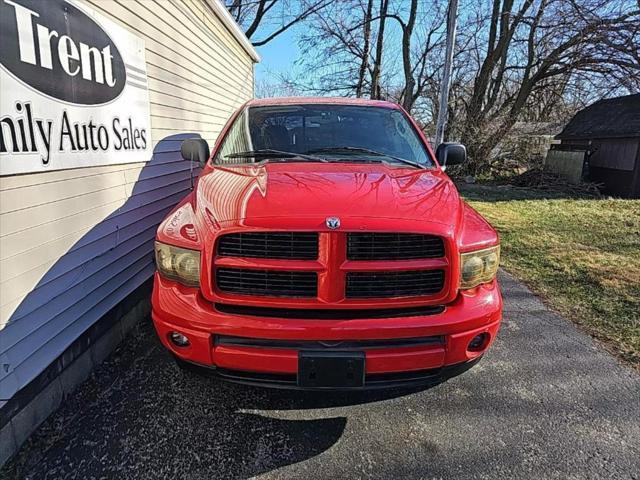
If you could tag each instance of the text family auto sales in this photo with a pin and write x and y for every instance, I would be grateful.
(30, 134)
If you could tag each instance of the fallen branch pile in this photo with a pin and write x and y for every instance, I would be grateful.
(544, 180)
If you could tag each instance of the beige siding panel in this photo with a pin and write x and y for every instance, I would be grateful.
(229, 98)
(164, 114)
(194, 72)
(19, 220)
(166, 88)
(184, 125)
(203, 35)
(30, 270)
(167, 132)
(206, 27)
(187, 19)
(27, 240)
(194, 69)
(168, 111)
(203, 12)
(161, 100)
(203, 38)
(33, 195)
(43, 254)
(74, 242)
(19, 181)
(177, 44)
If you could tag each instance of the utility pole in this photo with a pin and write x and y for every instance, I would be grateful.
(443, 110)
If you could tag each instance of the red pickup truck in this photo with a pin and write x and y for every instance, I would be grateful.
(324, 247)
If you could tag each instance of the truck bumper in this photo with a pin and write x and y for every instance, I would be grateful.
(260, 350)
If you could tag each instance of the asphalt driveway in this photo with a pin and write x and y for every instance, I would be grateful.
(545, 402)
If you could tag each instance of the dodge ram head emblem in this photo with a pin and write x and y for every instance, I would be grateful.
(333, 222)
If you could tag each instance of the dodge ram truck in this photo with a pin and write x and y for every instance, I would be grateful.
(323, 246)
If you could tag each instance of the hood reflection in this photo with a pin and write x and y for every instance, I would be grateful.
(238, 193)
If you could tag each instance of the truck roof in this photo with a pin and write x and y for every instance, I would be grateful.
(265, 102)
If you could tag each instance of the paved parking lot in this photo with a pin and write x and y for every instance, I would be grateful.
(545, 402)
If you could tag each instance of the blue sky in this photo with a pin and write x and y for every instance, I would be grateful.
(281, 54)
(277, 56)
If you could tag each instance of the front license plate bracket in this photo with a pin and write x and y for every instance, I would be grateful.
(331, 369)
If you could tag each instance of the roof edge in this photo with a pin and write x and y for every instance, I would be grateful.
(319, 100)
(630, 136)
(223, 14)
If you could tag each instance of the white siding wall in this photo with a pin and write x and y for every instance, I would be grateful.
(74, 243)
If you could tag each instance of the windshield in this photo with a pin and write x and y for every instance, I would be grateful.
(341, 133)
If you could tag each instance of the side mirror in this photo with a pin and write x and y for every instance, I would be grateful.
(195, 149)
(451, 153)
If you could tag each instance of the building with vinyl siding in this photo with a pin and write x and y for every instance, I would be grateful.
(84, 182)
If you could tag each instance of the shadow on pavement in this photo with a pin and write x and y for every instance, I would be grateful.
(140, 416)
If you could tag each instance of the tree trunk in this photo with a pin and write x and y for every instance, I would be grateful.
(365, 50)
(376, 94)
(409, 81)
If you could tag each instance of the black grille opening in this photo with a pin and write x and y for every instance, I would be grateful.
(330, 313)
(270, 283)
(406, 283)
(267, 378)
(393, 246)
(410, 376)
(375, 380)
(279, 245)
(329, 345)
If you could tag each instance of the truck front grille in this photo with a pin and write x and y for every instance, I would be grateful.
(271, 283)
(393, 246)
(332, 268)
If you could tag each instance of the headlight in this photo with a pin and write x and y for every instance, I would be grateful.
(479, 267)
(179, 264)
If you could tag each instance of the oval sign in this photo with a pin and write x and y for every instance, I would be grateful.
(56, 49)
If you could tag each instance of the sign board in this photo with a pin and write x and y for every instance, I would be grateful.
(73, 89)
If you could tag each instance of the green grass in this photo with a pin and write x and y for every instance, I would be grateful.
(582, 255)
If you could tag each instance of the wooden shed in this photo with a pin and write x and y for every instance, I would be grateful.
(608, 131)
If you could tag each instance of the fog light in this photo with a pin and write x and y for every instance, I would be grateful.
(178, 339)
(478, 342)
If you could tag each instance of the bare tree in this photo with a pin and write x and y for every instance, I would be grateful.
(531, 46)
(337, 47)
(271, 17)
(515, 60)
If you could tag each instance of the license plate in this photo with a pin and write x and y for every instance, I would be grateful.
(330, 369)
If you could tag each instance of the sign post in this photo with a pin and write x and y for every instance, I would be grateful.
(443, 110)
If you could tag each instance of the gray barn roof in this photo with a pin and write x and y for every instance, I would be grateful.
(612, 117)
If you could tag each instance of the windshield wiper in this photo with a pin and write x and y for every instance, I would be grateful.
(275, 154)
(367, 151)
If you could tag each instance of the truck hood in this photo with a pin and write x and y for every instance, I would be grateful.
(249, 195)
